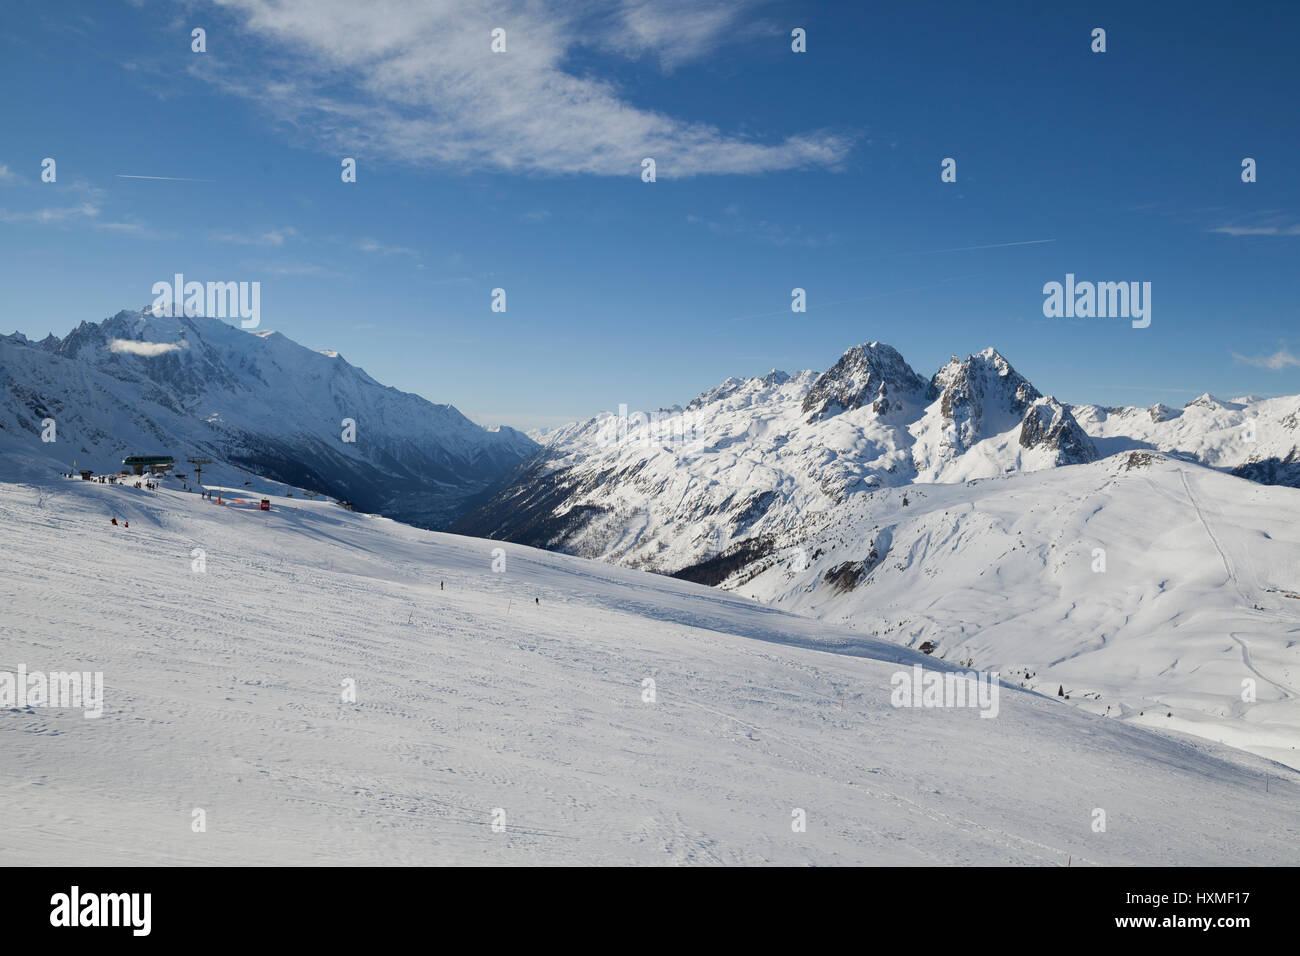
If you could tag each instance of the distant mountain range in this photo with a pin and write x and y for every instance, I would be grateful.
(676, 491)
(257, 404)
(691, 490)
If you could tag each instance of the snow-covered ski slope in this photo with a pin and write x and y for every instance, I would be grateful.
(1157, 590)
(223, 693)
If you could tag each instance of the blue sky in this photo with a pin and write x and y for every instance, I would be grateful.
(521, 170)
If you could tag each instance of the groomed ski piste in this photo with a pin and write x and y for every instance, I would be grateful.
(502, 715)
(1149, 589)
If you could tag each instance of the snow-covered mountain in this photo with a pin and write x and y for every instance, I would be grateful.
(1142, 586)
(672, 491)
(696, 490)
(256, 403)
(863, 522)
(1145, 584)
(1251, 437)
(335, 688)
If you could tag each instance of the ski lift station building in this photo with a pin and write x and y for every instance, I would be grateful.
(155, 463)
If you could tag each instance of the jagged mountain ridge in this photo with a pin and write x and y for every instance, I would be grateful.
(768, 455)
(254, 402)
(704, 490)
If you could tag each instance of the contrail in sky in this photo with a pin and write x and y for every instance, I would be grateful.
(170, 179)
(996, 245)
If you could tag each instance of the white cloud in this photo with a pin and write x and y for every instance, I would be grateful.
(1276, 226)
(1259, 230)
(374, 245)
(732, 223)
(84, 212)
(673, 31)
(273, 237)
(423, 87)
(1277, 361)
(147, 349)
(93, 193)
(52, 214)
(126, 228)
(295, 269)
(8, 177)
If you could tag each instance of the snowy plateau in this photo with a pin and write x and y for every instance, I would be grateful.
(642, 648)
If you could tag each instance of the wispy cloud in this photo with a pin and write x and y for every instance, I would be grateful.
(674, 32)
(85, 213)
(1259, 230)
(1280, 359)
(731, 223)
(82, 188)
(273, 237)
(8, 177)
(295, 269)
(52, 214)
(383, 249)
(424, 87)
(147, 349)
(124, 228)
(1269, 223)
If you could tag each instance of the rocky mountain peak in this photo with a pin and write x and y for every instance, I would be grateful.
(1207, 401)
(1049, 424)
(981, 395)
(872, 374)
